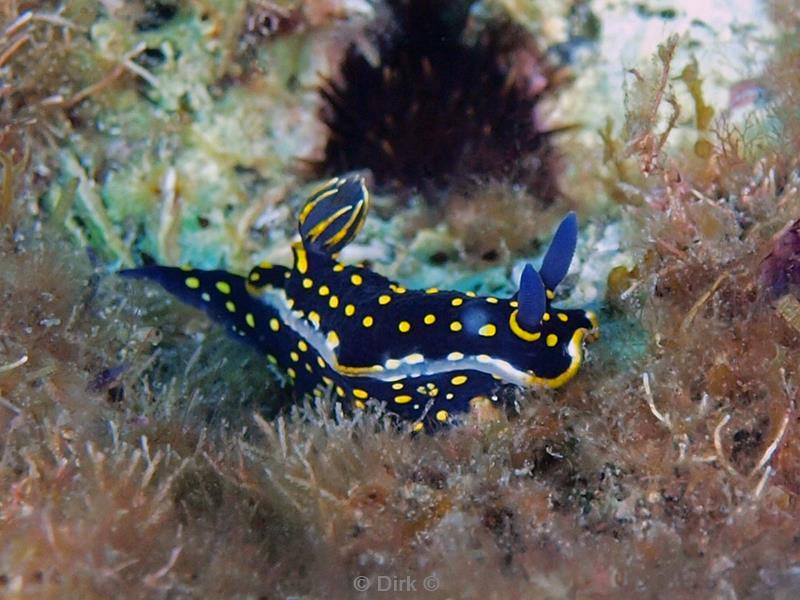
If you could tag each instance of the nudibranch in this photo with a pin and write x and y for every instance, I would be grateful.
(348, 331)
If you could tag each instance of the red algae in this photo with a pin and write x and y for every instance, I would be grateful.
(780, 269)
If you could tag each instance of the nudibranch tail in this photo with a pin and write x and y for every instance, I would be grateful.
(222, 295)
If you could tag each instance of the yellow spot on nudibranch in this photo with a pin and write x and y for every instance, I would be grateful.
(274, 324)
(449, 396)
(432, 290)
(429, 319)
(302, 345)
(321, 362)
(307, 283)
(291, 372)
(223, 286)
(492, 300)
(459, 380)
(402, 399)
(457, 301)
(487, 330)
(333, 301)
(471, 294)
(417, 426)
(442, 415)
(367, 321)
(384, 299)
(349, 310)
(356, 279)
(397, 289)
(359, 393)
(324, 290)
(563, 317)
(301, 259)
(393, 363)
(455, 356)
(186, 267)
(309, 368)
(514, 304)
(415, 359)
(550, 294)
(313, 316)
(340, 391)
(192, 283)
(456, 326)
(551, 340)
(338, 268)
(397, 386)
(272, 359)
(332, 340)
(230, 306)
(546, 316)
(404, 326)
(294, 356)
(250, 319)
(255, 276)
(359, 405)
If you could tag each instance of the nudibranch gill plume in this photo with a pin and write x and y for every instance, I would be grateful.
(348, 331)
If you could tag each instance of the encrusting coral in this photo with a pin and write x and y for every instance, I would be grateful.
(132, 463)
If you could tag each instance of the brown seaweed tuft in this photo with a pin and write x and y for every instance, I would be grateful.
(494, 221)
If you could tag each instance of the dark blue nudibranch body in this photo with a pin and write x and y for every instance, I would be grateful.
(428, 354)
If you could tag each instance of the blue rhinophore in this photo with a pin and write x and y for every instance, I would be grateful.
(346, 330)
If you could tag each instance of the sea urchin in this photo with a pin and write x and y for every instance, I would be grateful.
(437, 105)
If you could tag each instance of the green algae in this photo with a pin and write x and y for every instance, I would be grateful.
(163, 157)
